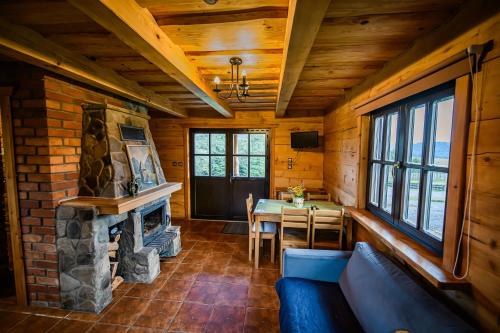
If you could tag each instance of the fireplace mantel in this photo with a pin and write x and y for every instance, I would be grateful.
(125, 204)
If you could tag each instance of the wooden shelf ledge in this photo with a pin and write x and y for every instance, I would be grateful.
(427, 264)
(125, 204)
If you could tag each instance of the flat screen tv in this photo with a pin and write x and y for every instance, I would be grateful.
(304, 139)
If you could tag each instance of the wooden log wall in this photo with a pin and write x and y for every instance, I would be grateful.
(476, 23)
(170, 140)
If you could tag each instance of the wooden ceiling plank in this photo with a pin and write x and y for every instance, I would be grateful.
(164, 7)
(343, 8)
(25, 44)
(304, 21)
(137, 28)
(222, 17)
(267, 33)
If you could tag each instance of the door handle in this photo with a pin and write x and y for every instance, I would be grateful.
(395, 166)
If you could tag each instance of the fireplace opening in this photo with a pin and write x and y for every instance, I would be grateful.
(153, 222)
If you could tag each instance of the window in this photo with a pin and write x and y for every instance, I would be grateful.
(408, 164)
(210, 154)
(249, 155)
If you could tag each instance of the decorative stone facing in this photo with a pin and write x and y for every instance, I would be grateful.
(82, 248)
(105, 169)
(96, 170)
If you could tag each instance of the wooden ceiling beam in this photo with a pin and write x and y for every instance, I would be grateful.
(27, 45)
(223, 17)
(304, 21)
(136, 27)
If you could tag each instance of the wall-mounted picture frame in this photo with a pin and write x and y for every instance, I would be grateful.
(143, 166)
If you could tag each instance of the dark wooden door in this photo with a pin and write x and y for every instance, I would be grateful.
(227, 165)
(249, 169)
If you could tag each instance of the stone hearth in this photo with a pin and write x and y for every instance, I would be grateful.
(83, 231)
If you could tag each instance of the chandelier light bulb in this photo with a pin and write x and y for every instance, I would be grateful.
(244, 73)
(216, 80)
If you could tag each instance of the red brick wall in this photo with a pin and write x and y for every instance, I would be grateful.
(47, 118)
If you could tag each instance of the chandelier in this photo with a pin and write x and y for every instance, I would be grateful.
(240, 90)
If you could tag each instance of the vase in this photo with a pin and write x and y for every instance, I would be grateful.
(298, 202)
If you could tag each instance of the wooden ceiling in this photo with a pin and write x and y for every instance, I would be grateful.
(355, 39)
(209, 35)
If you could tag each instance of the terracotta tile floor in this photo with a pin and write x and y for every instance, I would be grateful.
(209, 287)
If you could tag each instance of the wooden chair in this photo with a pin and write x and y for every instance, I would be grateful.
(327, 220)
(317, 196)
(285, 195)
(267, 230)
(295, 229)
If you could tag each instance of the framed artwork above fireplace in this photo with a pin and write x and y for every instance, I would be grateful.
(143, 166)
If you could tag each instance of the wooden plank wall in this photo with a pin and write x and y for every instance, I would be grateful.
(342, 135)
(169, 137)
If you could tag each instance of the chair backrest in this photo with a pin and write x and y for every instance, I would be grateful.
(328, 219)
(318, 196)
(249, 202)
(295, 218)
(285, 195)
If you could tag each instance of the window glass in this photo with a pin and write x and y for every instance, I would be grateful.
(435, 203)
(257, 144)
(391, 135)
(374, 184)
(408, 187)
(218, 166)
(416, 120)
(388, 188)
(218, 143)
(411, 196)
(377, 138)
(240, 144)
(240, 166)
(257, 166)
(439, 153)
(201, 143)
(201, 164)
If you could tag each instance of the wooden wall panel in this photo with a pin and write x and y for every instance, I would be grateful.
(474, 24)
(169, 141)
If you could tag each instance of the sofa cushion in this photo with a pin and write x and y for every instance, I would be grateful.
(385, 299)
(308, 306)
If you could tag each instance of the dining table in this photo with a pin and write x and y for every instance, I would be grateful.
(269, 210)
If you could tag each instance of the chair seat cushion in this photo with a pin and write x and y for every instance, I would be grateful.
(308, 306)
(266, 227)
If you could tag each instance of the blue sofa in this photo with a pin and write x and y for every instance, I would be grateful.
(361, 291)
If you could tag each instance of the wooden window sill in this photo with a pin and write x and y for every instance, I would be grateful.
(427, 264)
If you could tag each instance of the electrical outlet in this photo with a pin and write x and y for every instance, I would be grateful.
(290, 163)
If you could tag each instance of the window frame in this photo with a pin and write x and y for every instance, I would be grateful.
(210, 154)
(248, 155)
(395, 218)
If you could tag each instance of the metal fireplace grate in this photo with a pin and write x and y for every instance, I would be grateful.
(162, 241)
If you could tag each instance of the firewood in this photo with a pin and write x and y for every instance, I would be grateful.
(116, 282)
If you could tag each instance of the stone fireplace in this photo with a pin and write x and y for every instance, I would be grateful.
(116, 144)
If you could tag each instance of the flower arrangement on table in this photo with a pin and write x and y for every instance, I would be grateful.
(298, 194)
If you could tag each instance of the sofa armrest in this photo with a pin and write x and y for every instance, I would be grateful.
(319, 265)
